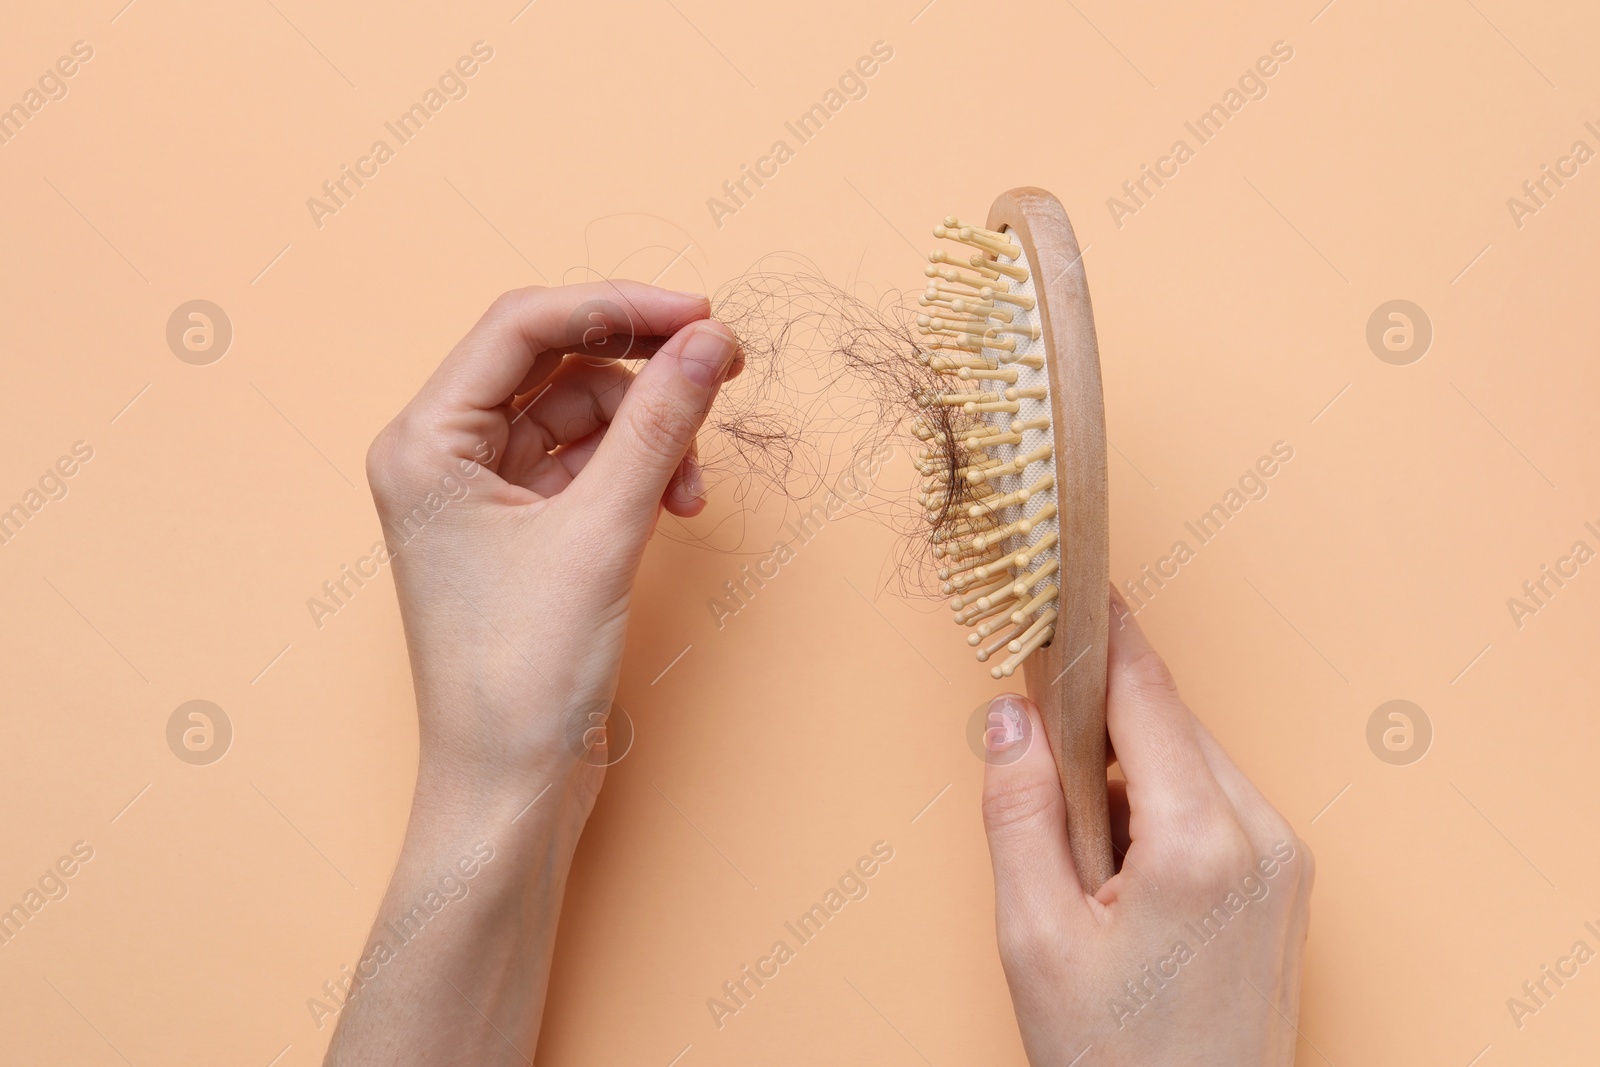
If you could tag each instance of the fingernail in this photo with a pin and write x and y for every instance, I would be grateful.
(1008, 723)
(691, 296)
(690, 487)
(706, 355)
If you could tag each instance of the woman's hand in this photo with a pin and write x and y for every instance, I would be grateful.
(1191, 953)
(515, 596)
(517, 491)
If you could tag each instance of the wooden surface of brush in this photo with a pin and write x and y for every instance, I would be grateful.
(1015, 480)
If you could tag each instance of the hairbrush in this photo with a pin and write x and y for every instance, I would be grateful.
(1014, 479)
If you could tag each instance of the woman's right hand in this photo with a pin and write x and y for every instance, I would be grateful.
(1191, 953)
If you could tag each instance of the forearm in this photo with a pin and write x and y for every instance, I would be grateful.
(515, 602)
(457, 964)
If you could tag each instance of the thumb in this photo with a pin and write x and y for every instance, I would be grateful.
(1036, 889)
(655, 425)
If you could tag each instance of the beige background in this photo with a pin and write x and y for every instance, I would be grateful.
(1232, 312)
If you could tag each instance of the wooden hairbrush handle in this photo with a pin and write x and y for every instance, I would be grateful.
(1067, 678)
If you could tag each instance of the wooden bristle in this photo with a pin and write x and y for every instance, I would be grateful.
(988, 472)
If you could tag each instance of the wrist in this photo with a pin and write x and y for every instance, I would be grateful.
(530, 815)
(485, 736)
(494, 865)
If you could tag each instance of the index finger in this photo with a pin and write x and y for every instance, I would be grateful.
(1153, 731)
(493, 360)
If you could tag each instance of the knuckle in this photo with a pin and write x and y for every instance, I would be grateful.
(513, 300)
(383, 461)
(1208, 854)
(1273, 834)
(393, 458)
(662, 424)
(1019, 805)
(1032, 947)
(1276, 828)
(1235, 855)
(1307, 862)
(1149, 675)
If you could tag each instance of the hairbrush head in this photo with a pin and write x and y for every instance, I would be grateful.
(1014, 478)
